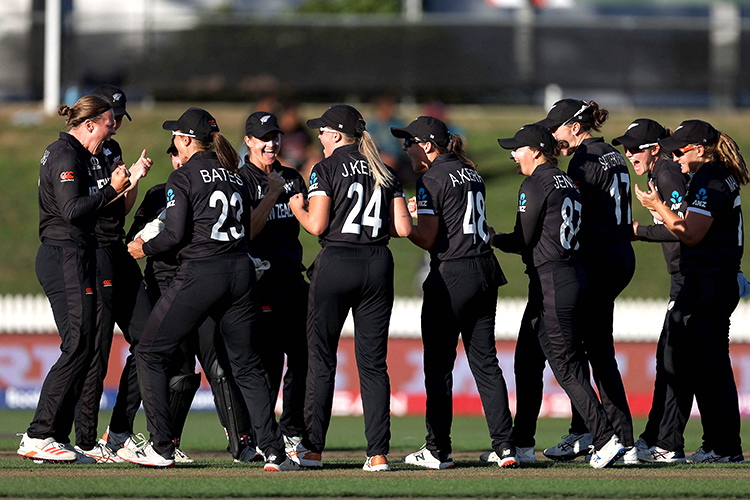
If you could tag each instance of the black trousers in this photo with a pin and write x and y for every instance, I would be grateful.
(663, 351)
(550, 330)
(118, 278)
(68, 277)
(182, 362)
(699, 337)
(609, 268)
(460, 298)
(222, 288)
(357, 278)
(283, 297)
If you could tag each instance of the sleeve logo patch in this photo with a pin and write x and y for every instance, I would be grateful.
(67, 176)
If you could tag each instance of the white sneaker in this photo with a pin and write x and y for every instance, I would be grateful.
(44, 450)
(662, 456)
(145, 455)
(425, 458)
(278, 463)
(291, 442)
(100, 454)
(249, 454)
(304, 457)
(630, 457)
(376, 464)
(117, 440)
(608, 453)
(571, 446)
(507, 459)
(180, 457)
(709, 457)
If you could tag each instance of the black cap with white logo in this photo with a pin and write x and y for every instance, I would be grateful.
(534, 136)
(566, 111)
(690, 132)
(342, 118)
(115, 97)
(195, 122)
(427, 128)
(260, 123)
(642, 133)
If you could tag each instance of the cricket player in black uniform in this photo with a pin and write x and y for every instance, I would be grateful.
(206, 220)
(118, 279)
(460, 291)
(641, 145)
(711, 244)
(282, 290)
(608, 260)
(184, 382)
(69, 199)
(548, 224)
(354, 202)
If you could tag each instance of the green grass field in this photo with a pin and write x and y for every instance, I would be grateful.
(214, 475)
(22, 145)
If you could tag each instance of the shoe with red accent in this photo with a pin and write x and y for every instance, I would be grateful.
(99, 454)
(279, 462)
(506, 458)
(44, 450)
(305, 457)
(658, 455)
(376, 464)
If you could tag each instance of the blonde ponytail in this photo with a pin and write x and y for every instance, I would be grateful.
(726, 151)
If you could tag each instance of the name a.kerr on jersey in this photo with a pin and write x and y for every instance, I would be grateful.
(220, 174)
(359, 167)
(464, 175)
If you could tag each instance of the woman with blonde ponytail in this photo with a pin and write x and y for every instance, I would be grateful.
(355, 204)
(711, 245)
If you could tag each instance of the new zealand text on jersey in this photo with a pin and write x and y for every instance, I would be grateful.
(280, 211)
(464, 175)
(220, 174)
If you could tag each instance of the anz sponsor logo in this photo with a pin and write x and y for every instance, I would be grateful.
(676, 200)
(522, 202)
(170, 198)
(421, 198)
(700, 199)
(313, 181)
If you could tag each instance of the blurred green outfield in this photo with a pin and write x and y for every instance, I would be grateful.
(21, 147)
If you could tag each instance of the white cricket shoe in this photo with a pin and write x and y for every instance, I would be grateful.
(376, 464)
(279, 463)
(630, 457)
(707, 457)
(145, 455)
(117, 440)
(305, 457)
(180, 457)
(100, 454)
(291, 442)
(44, 450)
(523, 455)
(658, 455)
(425, 458)
(571, 446)
(608, 454)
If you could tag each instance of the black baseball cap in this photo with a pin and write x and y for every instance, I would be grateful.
(690, 132)
(427, 128)
(642, 133)
(260, 123)
(566, 111)
(115, 97)
(534, 136)
(195, 122)
(340, 117)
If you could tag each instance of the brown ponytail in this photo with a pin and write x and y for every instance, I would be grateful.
(726, 151)
(456, 146)
(228, 156)
(88, 107)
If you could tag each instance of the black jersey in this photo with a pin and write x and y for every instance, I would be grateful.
(360, 214)
(671, 184)
(206, 211)
(278, 241)
(547, 221)
(110, 224)
(455, 192)
(68, 195)
(715, 193)
(602, 175)
(163, 265)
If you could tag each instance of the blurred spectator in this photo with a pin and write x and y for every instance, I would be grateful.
(297, 149)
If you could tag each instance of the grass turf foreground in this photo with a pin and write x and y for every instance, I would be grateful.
(214, 475)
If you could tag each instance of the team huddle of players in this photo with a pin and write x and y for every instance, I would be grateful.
(224, 282)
